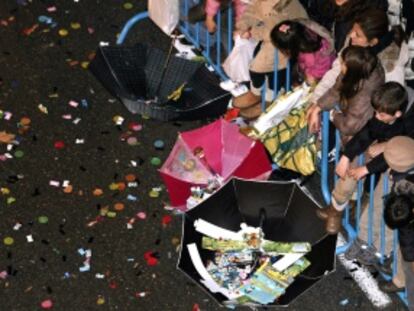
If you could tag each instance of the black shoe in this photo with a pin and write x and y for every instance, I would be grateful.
(389, 287)
(383, 269)
(282, 174)
(386, 267)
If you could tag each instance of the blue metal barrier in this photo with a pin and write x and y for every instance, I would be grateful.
(352, 229)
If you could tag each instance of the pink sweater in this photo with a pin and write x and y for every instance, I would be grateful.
(213, 6)
(317, 63)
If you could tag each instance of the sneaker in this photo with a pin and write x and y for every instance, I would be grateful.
(353, 250)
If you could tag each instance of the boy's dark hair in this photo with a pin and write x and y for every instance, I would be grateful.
(398, 211)
(295, 38)
(390, 98)
(360, 63)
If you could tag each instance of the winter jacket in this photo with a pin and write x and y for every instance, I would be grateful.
(259, 18)
(316, 64)
(213, 6)
(374, 131)
(392, 58)
(356, 112)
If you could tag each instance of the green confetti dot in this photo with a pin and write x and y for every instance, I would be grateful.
(18, 153)
(113, 186)
(11, 200)
(155, 161)
(128, 5)
(8, 240)
(154, 194)
(63, 32)
(43, 219)
(111, 214)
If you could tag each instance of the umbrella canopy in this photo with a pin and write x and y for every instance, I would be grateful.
(215, 149)
(149, 82)
(289, 217)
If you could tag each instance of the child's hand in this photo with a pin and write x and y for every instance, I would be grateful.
(358, 172)
(210, 24)
(342, 167)
(244, 34)
(314, 118)
(376, 150)
(310, 80)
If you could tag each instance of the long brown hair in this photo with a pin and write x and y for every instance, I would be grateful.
(360, 62)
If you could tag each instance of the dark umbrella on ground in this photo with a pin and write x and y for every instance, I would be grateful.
(289, 217)
(151, 82)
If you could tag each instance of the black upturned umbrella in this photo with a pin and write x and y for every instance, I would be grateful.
(289, 216)
(151, 82)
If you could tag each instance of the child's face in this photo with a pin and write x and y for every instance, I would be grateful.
(387, 118)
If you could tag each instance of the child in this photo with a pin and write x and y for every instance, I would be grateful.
(371, 30)
(257, 22)
(307, 43)
(309, 47)
(361, 74)
(213, 6)
(389, 102)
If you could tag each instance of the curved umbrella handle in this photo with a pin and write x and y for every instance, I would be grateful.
(263, 217)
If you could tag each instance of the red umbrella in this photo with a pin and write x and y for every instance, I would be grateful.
(215, 151)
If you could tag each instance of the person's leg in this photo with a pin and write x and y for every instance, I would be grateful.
(397, 284)
(374, 228)
(409, 277)
(399, 277)
(341, 195)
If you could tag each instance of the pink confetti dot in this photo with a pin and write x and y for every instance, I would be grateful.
(46, 304)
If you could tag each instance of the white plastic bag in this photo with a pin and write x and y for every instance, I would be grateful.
(165, 14)
(281, 107)
(236, 65)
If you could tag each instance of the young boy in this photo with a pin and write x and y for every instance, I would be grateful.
(389, 103)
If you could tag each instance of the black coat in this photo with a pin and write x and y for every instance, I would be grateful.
(378, 131)
(406, 239)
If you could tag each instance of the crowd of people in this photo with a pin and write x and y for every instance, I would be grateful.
(356, 54)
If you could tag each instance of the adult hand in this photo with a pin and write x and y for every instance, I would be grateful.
(342, 167)
(358, 172)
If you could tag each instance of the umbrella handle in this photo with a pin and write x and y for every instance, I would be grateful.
(262, 216)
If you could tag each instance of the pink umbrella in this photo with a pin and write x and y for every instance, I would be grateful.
(200, 155)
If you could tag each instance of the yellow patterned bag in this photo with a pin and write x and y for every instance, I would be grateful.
(291, 145)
